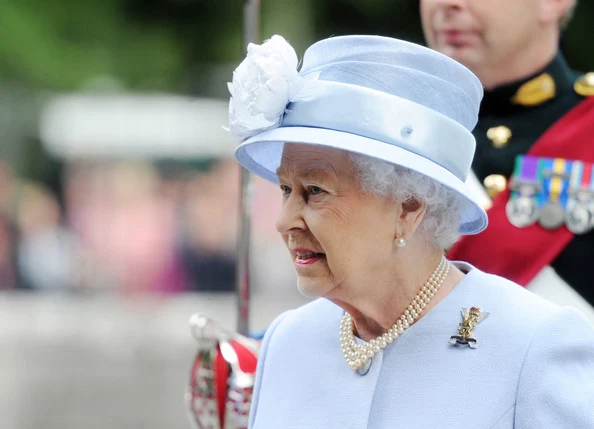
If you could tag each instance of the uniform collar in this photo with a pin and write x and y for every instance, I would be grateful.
(502, 101)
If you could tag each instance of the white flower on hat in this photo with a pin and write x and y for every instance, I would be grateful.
(263, 85)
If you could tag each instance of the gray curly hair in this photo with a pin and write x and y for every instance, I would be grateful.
(441, 219)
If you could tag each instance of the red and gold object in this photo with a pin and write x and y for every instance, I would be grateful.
(222, 377)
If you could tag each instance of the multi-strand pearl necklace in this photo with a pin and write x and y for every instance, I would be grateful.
(358, 355)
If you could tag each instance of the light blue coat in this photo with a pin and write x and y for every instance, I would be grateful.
(533, 368)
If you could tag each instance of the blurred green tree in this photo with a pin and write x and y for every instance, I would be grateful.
(69, 44)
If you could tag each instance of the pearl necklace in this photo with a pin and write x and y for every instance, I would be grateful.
(358, 355)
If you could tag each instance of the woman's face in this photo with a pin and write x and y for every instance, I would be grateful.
(337, 235)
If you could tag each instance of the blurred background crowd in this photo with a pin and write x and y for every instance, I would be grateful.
(119, 194)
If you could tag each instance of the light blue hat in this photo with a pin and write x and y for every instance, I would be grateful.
(381, 97)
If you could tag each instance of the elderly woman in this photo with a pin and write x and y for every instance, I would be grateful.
(370, 144)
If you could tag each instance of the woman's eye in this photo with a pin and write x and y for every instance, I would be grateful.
(285, 190)
(315, 190)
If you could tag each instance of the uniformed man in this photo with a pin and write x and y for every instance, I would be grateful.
(534, 147)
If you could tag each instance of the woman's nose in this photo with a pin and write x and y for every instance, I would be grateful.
(290, 217)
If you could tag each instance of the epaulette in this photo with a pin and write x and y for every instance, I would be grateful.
(584, 85)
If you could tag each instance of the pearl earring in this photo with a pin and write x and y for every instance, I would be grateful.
(400, 241)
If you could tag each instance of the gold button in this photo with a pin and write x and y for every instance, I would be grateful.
(499, 136)
(494, 184)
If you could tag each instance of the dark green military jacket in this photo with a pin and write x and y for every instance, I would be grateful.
(511, 119)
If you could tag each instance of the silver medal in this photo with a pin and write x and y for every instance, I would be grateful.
(579, 217)
(521, 211)
(551, 215)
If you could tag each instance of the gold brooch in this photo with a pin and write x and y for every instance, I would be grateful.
(470, 318)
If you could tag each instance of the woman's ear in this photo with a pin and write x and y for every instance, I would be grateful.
(411, 216)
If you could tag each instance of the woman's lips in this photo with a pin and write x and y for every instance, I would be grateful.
(306, 256)
(307, 261)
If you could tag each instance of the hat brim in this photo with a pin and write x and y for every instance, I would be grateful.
(262, 154)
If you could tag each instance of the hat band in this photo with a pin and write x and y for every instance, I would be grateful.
(387, 118)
